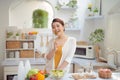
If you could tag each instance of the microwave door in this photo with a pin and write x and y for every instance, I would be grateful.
(80, 52)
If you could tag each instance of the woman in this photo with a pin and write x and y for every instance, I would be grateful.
(62, 48)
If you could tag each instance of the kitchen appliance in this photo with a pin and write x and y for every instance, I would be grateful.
(113, 59)
(84, 51)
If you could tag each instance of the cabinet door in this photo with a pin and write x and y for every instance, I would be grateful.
(11, 71)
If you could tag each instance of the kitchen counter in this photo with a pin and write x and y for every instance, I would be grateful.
(86, 62)
(79, 61)
(11, 66)
(16, 62)
(115, 76)
(82, 62)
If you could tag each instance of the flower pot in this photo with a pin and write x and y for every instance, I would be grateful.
(17, 37)
(96, 14)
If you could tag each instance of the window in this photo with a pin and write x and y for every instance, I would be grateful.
(20, 12)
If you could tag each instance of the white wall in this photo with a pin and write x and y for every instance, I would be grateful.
(112, 24)
(4, 5)
(108, 5)
(113, 32)
(20, 12)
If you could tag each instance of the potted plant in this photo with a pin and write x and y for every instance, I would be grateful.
(96, 38)
(70, 4)
(40, 18)
(90, 10)
(17, 35)
(95, 12)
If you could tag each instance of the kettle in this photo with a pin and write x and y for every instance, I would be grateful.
(113, 59)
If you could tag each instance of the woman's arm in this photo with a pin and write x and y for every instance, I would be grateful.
(63, 65)
(50, 54)
(71, 51)
(70, 54)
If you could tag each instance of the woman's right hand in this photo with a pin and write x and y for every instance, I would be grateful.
(52, 52)
(55, 45)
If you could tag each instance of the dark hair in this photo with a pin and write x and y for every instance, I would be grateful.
(58, 20)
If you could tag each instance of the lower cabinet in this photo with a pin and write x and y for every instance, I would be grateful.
(11, 71)
(74, 68)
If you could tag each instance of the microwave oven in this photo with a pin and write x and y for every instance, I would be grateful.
(85, 51)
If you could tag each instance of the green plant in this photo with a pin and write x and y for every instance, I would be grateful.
(72, 3)
(17, 34)
(90, 6)
(9, 34)
(58, 7)
(97, 36)
(95, 10)
(40, 18)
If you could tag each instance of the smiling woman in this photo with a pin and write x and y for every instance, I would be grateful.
(20, 12)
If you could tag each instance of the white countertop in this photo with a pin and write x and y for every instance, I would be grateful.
(79, 61)
(86, 62)
(115, 76)
(16, 62)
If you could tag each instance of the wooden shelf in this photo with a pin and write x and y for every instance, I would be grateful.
(19, 49)
(20, 40)
(69, 8)
(15, 49)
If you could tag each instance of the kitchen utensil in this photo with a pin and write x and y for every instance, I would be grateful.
(47, 42)
(41, 43)
(17, 54)
(11, 54)
(30, 45)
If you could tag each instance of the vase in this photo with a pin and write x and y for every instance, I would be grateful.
(96, 14)
(97, 51)
(90, 12)
(17, 37)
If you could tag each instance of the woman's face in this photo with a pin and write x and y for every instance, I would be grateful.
(57, 28)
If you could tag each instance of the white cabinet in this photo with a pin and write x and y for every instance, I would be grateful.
(11, 71)
(22, 48)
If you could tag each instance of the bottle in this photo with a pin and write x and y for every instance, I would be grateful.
(21, 71)
(27, 66)
(23, 36)
(16, 54)
(30, 45)
(25, 45)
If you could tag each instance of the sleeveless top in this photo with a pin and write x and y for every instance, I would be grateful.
(57, 56)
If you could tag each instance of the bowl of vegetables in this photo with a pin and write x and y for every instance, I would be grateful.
(57, 74)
